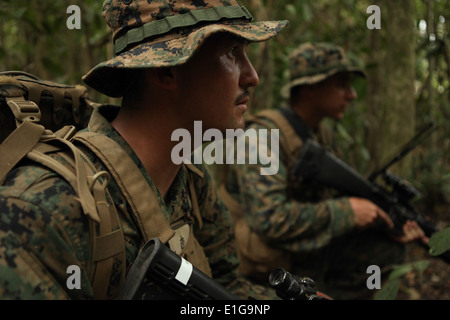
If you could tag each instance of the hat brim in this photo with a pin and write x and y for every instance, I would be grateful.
(318, 78)
(113, 76)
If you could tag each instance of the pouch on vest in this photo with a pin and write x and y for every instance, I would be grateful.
(52, 105)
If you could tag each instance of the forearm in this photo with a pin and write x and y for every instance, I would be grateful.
(287, 223)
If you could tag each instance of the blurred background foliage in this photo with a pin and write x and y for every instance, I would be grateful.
(407, 63)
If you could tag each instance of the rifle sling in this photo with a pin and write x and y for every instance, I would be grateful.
(299, 125)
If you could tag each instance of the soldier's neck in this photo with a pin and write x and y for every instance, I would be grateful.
(308, 114)
(149, 135)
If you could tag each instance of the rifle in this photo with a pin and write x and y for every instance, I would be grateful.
(171, 278)
(316, 163)
(290, 287)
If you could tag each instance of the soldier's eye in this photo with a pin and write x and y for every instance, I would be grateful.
(233, 51)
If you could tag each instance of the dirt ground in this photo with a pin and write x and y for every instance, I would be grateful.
(434, 283)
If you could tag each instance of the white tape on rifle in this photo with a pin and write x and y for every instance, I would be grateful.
(185, 272)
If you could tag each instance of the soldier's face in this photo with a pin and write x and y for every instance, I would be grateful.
(215, 82)
(334, 95)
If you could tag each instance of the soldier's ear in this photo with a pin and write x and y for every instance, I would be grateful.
(163, 77)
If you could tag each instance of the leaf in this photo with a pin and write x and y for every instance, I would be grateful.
(400, 271)
(307, 13)
(440, 242)
(389, 290)
(290, 8)
(344, 134)
(391, 286)
(420, 265)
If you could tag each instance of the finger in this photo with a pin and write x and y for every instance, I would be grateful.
(417, 231)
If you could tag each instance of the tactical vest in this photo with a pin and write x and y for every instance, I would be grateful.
(40, 117)
(258, 259)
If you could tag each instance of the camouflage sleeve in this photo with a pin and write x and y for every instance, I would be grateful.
(217, 238)
(37, 245)
(286, 223)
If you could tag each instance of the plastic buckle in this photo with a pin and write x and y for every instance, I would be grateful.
(24, 110)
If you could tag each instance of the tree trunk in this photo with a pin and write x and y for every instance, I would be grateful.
(394, 107)
(375, 91)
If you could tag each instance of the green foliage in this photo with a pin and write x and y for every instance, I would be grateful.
(391, 286)
(34, 38)
(440, 242)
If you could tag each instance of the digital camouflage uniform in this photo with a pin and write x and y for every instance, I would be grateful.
(308, 223)
(43, 228)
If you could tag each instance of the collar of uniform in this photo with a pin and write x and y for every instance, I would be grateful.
(177, 199)
(100, 122)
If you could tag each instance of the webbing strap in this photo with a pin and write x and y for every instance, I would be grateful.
(86, 198)
(17, 145)
(58, 92)
(290, 142)
(108, 244)
(191, 18)
(140, 196)
(297, 123)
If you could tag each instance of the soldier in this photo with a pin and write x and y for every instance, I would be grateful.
(175, 62)
(306, 228)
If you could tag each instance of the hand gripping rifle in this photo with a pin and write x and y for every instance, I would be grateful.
(315, 163)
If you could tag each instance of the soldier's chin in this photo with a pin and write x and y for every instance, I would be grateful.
(239, 120)
(339, 115)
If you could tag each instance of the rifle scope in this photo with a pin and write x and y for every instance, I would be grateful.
(291, 287)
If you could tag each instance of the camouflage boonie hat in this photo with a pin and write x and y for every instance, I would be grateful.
(165, 33)
(313, 62)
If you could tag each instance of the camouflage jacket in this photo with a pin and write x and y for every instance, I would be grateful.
(288, 215)
(43, 229)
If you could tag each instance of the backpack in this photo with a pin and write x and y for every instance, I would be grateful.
(38, 117)
(25, 97)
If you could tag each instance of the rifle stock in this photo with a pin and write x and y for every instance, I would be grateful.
(315, 163)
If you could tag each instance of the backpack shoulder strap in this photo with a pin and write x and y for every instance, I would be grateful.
(32, 141)
(17, 145)
(135, 188)
(291, 142)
